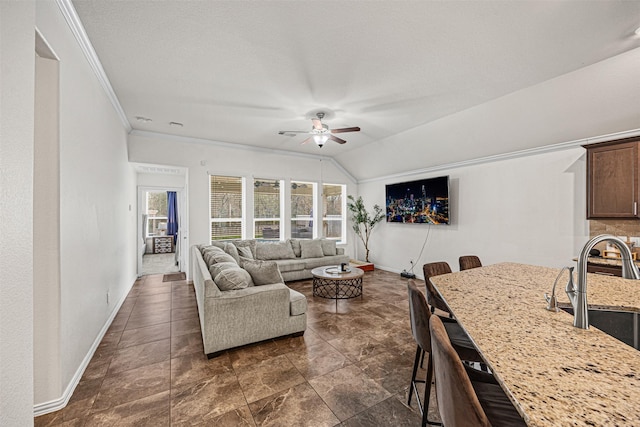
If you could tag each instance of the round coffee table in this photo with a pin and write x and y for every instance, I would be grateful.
(330, 282)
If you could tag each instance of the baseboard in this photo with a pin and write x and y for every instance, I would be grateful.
(61, 402)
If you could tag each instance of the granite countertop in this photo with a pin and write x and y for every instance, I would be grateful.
(556, 374)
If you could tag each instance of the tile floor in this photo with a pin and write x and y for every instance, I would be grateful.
(351, 368)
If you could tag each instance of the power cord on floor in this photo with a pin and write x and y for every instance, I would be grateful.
(410, 274)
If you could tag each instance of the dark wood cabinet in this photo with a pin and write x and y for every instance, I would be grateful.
(613, 190)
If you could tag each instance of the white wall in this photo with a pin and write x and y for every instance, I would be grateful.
(46, 229)
(17, 51)
(97, 204)
(202, 158)
(529, 210)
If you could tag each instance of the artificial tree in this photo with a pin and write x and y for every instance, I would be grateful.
(363, 222)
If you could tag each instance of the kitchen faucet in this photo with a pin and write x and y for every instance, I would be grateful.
(578, 297)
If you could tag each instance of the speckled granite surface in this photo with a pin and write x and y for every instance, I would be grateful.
(556, 374)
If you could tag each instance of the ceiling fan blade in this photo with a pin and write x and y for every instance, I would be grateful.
(336, 139)
(306, 140)
(353, 129)
(317, 124)
(284, 132)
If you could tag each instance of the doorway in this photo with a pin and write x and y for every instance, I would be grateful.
(160, 227)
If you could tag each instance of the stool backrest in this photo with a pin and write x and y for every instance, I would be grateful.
(430, 270)
(468, 262)
(457, 401)
(419, 313)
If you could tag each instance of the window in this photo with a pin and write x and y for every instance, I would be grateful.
(302, 210)
(266, 209)
(156, 210)
(333, 206)
(227, 206)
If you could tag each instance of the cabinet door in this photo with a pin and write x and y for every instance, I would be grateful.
(612, 180)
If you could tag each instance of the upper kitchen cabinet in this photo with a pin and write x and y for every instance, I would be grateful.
(613, 190)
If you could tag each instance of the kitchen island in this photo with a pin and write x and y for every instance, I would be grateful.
(555, 374)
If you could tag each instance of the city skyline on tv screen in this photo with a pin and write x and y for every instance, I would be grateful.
(424, 201)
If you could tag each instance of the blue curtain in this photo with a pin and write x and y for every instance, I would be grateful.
(172, 214)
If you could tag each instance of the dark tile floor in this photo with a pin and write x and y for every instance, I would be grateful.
(351, 368)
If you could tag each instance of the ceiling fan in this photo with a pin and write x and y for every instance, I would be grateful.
(320, 132)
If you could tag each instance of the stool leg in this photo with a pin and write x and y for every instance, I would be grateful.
(427, 393)
(413, 375)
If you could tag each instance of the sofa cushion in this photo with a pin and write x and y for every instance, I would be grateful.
(275, 250)
(285, 265)
(263, 272)
(214, 257)
(233, 278)
(297, 303)
(220, 266)
(312, 263)
(328, 247)
(311, 249)
(251, 244)
(295, 245)
(231, 249)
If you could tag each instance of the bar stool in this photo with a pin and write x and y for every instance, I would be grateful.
(461, 402)
(433, 296)
(468, 262)
(420, 314)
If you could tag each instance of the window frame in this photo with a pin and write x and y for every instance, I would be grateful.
(343, 213)
(279, 219)
(241, 219)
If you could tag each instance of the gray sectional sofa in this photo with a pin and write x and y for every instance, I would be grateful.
(244, 315)
(305, 256)
(240, 289)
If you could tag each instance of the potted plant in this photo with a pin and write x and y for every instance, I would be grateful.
(363, 222)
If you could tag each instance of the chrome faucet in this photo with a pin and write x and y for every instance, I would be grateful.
(552, 301)
(578, 297)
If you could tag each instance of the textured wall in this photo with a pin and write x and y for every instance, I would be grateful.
(17, 46)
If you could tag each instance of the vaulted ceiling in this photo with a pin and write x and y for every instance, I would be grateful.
(240, 71)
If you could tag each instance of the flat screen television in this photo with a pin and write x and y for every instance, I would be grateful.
(425, 201)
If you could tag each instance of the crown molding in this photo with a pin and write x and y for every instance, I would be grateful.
(507, 156)
(220, 144)
(73, 21)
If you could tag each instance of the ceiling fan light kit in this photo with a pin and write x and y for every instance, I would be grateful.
(320, 132)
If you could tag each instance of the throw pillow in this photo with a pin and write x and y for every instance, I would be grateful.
(276, 250)
(230, 248)
(233, 278)
(215, 269)
(263, 272)
(251, 244)
(328, 247)
(218, 244)
(211, 257)
(205, 249)
(245, 252)
(223, 257)
(311, 249)
(295, 244)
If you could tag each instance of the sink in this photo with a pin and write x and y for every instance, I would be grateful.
(622, 325)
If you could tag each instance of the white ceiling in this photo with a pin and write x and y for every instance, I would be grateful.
(240, 71)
